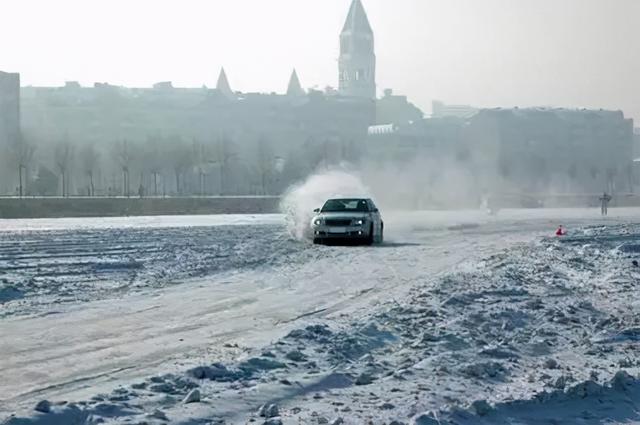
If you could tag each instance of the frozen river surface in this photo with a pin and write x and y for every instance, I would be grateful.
(91, 306)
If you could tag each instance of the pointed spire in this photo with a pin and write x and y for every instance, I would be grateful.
(223, 85)
(357, 21)
(295, 88)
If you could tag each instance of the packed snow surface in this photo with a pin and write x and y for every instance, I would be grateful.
(459, 318)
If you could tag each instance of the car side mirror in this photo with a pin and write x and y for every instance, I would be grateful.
(317, 210)
(375, 210)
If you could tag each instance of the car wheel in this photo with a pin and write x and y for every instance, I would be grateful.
(317, 241)
(371, 238)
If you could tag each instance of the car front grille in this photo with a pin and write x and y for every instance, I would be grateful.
(342, 222)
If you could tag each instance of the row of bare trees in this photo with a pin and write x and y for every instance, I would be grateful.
(158, 166)
(162, 166)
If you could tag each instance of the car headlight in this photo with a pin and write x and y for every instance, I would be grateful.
(359, 222)
(317, 222)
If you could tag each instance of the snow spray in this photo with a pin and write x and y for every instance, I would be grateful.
(301, 199)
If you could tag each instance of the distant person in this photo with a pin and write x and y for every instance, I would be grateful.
(604, 202)
(561, 231)
(141, 191)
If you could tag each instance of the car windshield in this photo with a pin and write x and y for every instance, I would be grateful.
(346, 205)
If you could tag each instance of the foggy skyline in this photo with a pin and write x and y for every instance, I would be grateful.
(573, 53)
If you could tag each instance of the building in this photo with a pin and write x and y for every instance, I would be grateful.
(9, 128)
(295, 124)
(443, 110)
(553, 150)
(524, 155)
(394, 109)
(105, 113)
(218, 137)
(9, 108)
(357, 63)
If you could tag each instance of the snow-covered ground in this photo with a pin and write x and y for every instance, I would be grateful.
(458, 318)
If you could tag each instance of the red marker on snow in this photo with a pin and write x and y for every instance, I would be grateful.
(561, 231)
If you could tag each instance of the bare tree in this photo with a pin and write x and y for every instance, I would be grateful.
(63, 158)
(205, 158)
(629, 173)
(294, 166)
(180, 157)
(202, 164)
(22, 152)
(124, 158)
(89, 157)
(153, 160)
(265, 163)
(225, 153)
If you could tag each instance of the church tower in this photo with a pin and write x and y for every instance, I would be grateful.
(223, 86)
(357, 73)
(295, 88)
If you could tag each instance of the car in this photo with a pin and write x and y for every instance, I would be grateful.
(348, 219)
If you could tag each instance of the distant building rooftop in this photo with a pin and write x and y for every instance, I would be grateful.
(442, 110)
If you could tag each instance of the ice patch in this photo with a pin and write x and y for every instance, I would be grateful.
(118, 265)
(9, 293)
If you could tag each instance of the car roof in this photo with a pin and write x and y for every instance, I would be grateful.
(348, 199)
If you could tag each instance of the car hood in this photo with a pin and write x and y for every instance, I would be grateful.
(350, 215)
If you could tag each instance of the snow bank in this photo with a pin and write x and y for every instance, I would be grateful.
(586, 402)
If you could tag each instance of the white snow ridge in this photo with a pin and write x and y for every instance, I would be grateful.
(522, 331)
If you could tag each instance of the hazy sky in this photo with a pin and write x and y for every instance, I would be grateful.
(481, 52)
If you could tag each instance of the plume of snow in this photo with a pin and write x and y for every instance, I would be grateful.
(301, 199)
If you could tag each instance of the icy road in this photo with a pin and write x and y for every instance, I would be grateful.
(89, 306)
